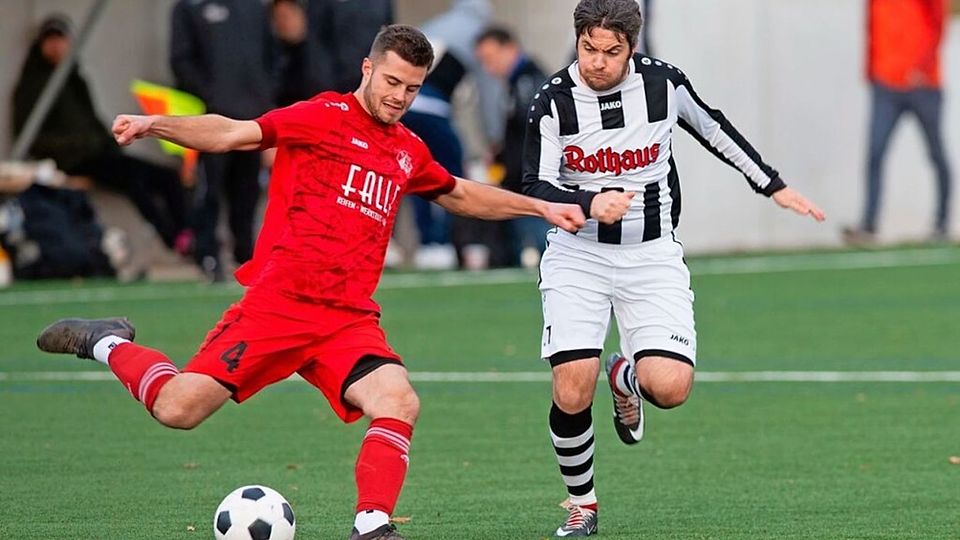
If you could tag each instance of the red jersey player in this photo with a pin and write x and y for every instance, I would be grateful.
(342, 164)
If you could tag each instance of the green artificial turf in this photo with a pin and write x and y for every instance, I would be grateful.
(81, 460)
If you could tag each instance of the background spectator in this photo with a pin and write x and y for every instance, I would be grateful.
(222, 51)
(303, 69)
(903, 67)
(51, 231)
(501, 56)
(453, 34)
(81, 145)
(346, 29)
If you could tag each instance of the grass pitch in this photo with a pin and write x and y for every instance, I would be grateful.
(80, 459)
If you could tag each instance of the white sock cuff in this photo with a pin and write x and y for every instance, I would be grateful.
(103, 348)
(580, 500)
(369, 520)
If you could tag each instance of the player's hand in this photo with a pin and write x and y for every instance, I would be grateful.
(568, 217)
(792, 200)
(130, 127)
(609, 206)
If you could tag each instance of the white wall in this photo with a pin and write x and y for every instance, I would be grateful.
(129, 41)
(788, 73)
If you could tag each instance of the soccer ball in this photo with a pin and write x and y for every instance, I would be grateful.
(254, 513)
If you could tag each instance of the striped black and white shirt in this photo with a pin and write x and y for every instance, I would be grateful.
(580, 142)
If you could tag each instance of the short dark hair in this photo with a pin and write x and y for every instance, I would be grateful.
(56, 24)
(619, 16)
(497, 33)
(406, 41)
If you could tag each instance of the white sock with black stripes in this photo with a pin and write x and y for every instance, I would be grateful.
(572, 436)
(626, 379)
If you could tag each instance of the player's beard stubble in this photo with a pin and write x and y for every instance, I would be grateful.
(601, 81)
(380, 110)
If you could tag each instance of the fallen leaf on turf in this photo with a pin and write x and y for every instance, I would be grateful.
(954, 460)
(400, 520)
(190, 466)
(293, 466)
(191, 528)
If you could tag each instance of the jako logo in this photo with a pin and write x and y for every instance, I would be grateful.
(611, 106)
(338, 104)
(608, 160)
(680, 339)
(362, 144)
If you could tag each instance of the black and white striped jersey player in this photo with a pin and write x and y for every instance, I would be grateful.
(600, 135)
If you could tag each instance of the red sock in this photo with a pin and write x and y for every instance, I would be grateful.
(143, 371)
(382, 464)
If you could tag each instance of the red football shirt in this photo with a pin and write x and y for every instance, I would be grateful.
(336, 186)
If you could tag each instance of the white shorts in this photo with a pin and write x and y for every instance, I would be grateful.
(645, 286)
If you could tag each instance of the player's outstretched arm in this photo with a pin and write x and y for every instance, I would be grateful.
(476, 200)
(792, 199)
(210, 133)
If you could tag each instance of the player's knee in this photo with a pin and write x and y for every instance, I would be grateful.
(669, 394)
(402, 404)
(573, 400)
(668, 398)
(665, 383)
(409, 406)
(176, 415)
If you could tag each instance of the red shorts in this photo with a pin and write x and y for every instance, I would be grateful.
(263, 339)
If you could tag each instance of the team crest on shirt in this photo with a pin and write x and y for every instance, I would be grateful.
(405, 161)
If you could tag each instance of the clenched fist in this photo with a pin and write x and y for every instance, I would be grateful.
(609, 206)
(130, 127)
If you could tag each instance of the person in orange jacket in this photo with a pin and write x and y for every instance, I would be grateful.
(903, 68)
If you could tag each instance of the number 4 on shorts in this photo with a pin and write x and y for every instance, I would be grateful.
(232, 356)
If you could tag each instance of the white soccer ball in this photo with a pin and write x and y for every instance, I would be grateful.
(254, 513)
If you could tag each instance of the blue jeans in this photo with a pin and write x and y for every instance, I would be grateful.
(530, 231)
(888, 106)
(437, 132)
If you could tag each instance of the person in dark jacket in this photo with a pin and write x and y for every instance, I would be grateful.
(303, 70)
(346, 29)
(322, 42)
(80, 144)
(222, 51)
(444, 238)
(500, 54)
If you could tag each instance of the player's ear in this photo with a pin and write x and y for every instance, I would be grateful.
(366, 68)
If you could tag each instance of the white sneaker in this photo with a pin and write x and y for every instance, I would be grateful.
(436, 257)
(581, 522)
(529, 258)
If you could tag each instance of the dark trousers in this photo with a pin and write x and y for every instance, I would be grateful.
(156, 191)
(234, 175)
(433, 222)
(888, 106)
(62, 227)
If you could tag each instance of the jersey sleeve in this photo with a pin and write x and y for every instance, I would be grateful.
(542, 157)
(712, 130)
(429, 179)
(301, 123)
